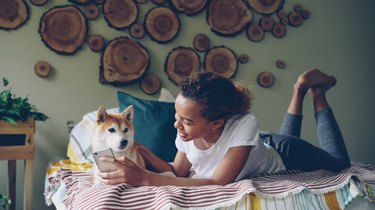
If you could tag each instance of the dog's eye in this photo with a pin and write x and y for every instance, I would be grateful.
(111, 130)
(126, 130)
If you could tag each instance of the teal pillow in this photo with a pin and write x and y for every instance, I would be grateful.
(153, 124)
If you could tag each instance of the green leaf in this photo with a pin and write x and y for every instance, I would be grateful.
(13, 109)
(9, 120)
(5, 82)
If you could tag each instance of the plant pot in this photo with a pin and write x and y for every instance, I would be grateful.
(16, 135)
(12, 139)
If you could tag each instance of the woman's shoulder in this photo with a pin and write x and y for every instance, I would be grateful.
(243, 117)
(246, 121)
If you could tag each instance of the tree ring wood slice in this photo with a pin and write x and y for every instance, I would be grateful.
(189, 7)
(141, 1)
(295, 19)
(137, 31)
(244, 58)
(38, 2)
(266, 7)
(280, 64)
(267, 22)
(297, 7)
(281, 13)
(120, 14)
(279, 30)
(150, 84)
(42, 68)
(255, 32)
(98, 2)
(266, 79)
(123, 61)
(162, 24)
(91, 11)
(306, 14)
(96, 42)
(227, 17)
(13, 14)
(63, 29)
(284, 20)
(201, 42)
(80, 2)
(221, 60)
(159, 2)
(180, 63)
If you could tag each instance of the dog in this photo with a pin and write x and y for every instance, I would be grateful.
(116, 131)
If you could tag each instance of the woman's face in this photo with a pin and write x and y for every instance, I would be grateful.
(190, 124)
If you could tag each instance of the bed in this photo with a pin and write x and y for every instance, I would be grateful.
(68, 182)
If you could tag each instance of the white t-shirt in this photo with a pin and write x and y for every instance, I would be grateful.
(240, 130)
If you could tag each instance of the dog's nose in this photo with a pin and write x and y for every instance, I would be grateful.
(124, 143)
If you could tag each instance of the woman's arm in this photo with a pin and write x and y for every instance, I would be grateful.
(152, 161)
(226, 172)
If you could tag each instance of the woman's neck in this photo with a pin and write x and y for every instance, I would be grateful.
(206, 142)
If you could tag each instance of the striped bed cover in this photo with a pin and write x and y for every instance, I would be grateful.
(285, 190)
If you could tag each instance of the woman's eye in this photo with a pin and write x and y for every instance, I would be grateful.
(111, 130)
(126, 130)
(187, 122)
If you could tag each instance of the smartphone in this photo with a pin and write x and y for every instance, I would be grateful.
(104, 166)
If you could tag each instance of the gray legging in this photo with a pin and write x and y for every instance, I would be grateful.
(300, 154)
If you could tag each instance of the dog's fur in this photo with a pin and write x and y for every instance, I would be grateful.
(116, 131)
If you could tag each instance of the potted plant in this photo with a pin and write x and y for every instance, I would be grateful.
(15, 111)
(4, 201)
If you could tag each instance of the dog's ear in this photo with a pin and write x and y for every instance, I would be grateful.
(128, 113)
(101, 115)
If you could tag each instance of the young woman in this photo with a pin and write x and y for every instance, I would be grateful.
(220, 139)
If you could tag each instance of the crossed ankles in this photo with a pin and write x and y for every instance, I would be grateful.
(315, 82)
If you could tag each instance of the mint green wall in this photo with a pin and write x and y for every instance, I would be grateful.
(338, 38)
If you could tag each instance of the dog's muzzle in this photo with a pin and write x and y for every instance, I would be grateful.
(123, 143)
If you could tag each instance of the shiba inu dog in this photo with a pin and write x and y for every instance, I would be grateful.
(115, 131)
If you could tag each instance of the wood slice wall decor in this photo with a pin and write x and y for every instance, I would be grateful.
(201, 42)
(266, 7)
(13, 14)
(255, 32)
(63, 29)
(188, 7)
(80, 2)
(124, 61)
(159, 2)
(120, 14)
(137, 31)
(266, 79)
(91, 11)
(221, 60)
(228, 17)
(150, 84)
(38, 2)
(42, 68)
(180, 63)
(243, 58)
(96, 42)
(162, 24)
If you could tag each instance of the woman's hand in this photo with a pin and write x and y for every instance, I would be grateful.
(127, 172)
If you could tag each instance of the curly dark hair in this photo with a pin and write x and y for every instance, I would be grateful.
(220, 97)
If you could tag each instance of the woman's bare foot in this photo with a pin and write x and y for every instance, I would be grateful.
(315, 77)
(316, 83)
